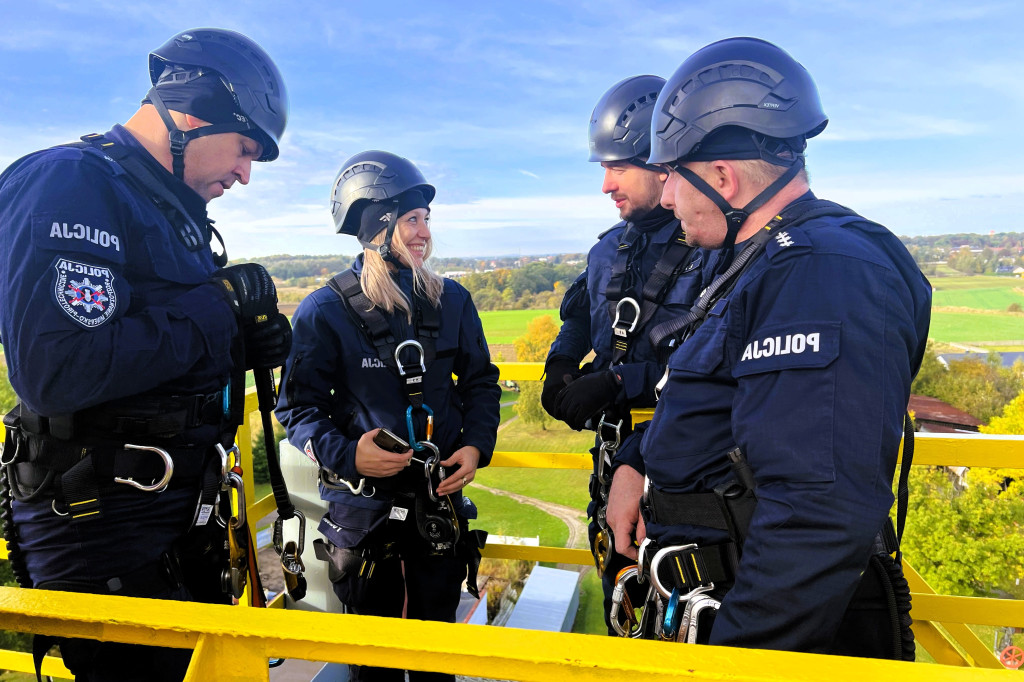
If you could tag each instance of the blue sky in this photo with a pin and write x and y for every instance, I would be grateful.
(492, 101)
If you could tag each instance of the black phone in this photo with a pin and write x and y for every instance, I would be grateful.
(386, 440)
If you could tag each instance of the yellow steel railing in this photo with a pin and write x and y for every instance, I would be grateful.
(229, 646)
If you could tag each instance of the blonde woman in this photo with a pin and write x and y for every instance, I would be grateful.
(376, 349)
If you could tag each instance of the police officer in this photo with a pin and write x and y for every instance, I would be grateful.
(642, 272)
(126, 341)
(774, 442)
(368, 394)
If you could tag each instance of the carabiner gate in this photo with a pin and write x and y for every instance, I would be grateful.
(160, 485)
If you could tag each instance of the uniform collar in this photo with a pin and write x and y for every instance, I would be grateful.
(192, 202)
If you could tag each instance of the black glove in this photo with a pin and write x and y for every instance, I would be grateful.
(267, 343)
(559, 371)
(250, 290)
(585, 397)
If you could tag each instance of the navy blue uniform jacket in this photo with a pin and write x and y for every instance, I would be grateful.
(102, 299)
(335, 388)
(587, 324)
(806, 367)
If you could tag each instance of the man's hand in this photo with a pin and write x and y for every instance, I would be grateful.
(253, 296)
(250, 290)
(267, 343)
(373, 462)
(623, 513)
(559, 372)
(585, 397)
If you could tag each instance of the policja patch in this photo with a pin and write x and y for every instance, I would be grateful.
(85, 292)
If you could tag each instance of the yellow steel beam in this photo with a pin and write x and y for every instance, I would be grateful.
(520, 371)
(22, 662)
(969, 450)
(558, 555)
(543, 460)
(977, 653)
(223, 659)
(233, 646)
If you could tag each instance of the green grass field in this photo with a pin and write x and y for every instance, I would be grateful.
(965, 327)
(504, 516)
(979, 292)
(505, 326)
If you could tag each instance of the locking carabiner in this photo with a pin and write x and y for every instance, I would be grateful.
(160, 485)
(414, 443)
(278, 537)
(431, 465)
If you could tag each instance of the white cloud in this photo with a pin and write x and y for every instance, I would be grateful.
(529, 174)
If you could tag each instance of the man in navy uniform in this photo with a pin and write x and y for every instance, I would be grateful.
(642, 272)
(127, 341)
(774, 442)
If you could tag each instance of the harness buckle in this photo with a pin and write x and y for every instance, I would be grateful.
(160, 485)
(688, 552)
(622, 331)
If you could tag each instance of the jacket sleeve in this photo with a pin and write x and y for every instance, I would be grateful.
(573, 340)
(477, 384)
(820, 349)
(64, 222)
(306, 401)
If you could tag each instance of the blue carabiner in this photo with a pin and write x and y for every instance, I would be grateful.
(413, 440)
(673, 615)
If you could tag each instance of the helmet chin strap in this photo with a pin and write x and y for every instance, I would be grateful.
(736, 217)
(180, 138)
(384, 249)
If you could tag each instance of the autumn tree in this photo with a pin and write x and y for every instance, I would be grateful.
(969, 540)
(533, 347)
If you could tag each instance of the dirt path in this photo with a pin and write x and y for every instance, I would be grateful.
(568, 515)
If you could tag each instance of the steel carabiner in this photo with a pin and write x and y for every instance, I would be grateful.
(160, 485)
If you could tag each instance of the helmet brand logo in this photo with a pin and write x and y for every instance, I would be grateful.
(385, 218)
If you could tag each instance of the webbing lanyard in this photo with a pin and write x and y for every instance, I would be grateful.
(413, 374)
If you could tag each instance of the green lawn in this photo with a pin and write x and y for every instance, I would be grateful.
(557, 437)
(562, 486)
(980, 293)
(505, 326)
(504, 516)
(590, 616)
(965, 327)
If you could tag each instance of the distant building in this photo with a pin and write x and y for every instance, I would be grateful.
(934, 416)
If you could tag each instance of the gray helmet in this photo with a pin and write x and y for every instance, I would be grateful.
(620, 127)
(247, 71)
(744, 82)
(373, 177)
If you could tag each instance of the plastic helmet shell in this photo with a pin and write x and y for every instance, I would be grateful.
(248, 70)
(745, 82)
(372, 176)
(620, 127)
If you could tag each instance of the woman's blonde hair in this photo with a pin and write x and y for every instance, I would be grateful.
(384, 292)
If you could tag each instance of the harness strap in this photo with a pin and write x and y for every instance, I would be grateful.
(623, 281)
(795, 214)
(671, 263)
(191, 234)
(378, 330)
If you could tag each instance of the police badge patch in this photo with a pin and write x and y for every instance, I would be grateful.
(85, 292)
